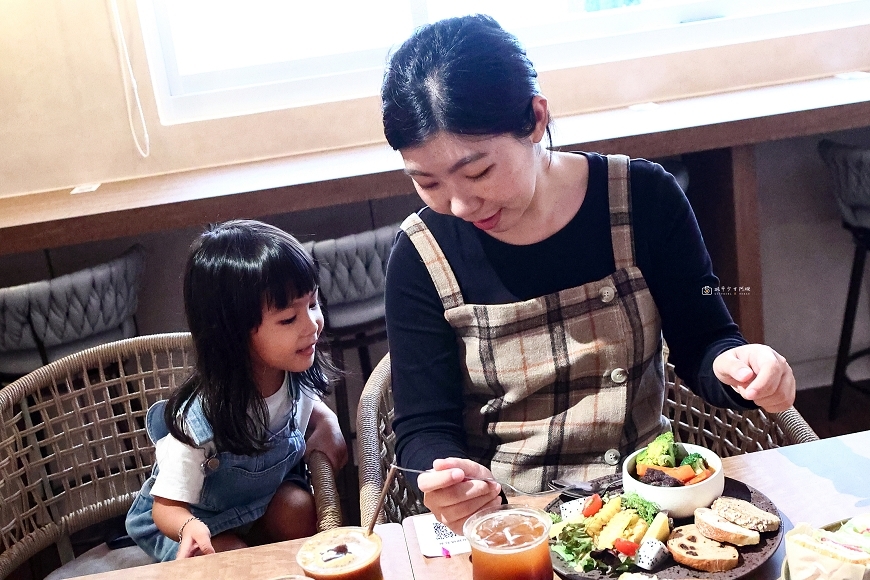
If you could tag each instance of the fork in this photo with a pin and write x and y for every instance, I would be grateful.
(577, 490)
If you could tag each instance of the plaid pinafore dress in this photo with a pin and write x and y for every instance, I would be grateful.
(563, 385)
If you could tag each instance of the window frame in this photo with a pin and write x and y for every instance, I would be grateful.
(198, 97)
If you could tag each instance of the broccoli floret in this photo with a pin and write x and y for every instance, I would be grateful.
(659, 452)
(641, 457)
(696, 461)
(645, 509)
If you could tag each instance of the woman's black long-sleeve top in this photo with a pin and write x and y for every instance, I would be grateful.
(669, 250)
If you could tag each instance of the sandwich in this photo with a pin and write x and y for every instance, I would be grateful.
(820, 554)
(855, 533)
(828, 544)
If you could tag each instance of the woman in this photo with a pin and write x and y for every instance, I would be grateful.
(526, 304)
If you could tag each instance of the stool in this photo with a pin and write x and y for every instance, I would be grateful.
(352, 271)
(43, 321)
(850, 168)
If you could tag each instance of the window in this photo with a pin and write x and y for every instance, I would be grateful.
(220, 58)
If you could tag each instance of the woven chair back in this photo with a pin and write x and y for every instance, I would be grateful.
(377, 450)
(73, 446)
(724, 431)
(729, 432)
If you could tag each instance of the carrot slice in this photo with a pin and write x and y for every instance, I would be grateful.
(684, 472)
(701, 476)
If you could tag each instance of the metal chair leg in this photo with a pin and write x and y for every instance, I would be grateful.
(365, 359)
(347, 477)
(847, 329)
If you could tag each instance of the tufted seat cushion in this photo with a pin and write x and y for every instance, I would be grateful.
(352, 270)
(69, 313)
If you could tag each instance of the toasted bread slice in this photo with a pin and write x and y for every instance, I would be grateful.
(690, 548)
(745, 514)
(721, 530)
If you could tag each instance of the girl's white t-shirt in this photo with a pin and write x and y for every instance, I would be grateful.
(180, 476)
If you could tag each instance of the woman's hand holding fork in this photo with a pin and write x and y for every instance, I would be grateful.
(452, 491)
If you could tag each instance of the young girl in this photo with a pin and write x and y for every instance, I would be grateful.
(230, 441)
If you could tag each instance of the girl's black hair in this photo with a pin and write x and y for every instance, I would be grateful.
(235, 269)
(463, 75)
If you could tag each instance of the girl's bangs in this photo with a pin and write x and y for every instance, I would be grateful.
(289, 273)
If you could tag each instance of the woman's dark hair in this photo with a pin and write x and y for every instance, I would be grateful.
(462, 75)
(235, 269)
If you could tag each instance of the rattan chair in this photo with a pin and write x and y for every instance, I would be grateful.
(74, 451)
(352, 272)
(377, 450)
(693, 421)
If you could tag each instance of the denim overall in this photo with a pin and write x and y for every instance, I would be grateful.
(237, 488)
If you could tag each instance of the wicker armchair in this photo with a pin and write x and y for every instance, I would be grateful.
(377, 450)
(693, 421)
(74, 451)
(352, 271)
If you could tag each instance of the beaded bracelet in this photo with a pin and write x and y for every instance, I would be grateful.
(187, 521)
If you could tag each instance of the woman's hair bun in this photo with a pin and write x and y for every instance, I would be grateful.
(463, 75)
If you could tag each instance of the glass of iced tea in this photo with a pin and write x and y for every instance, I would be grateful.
(510, 543)
(346, 553)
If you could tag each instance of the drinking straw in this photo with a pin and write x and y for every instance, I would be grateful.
(387, 483)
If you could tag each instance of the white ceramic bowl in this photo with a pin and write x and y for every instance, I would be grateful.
(679, 502)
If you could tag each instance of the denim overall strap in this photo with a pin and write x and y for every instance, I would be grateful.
(155, 426)
(195, 424)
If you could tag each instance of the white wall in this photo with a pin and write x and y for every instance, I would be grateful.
(65, 120)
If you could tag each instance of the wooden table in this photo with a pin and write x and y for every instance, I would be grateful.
(715, 135)
(819, 483)
(262, 562)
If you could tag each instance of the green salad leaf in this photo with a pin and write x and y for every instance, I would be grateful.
(573, 543)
